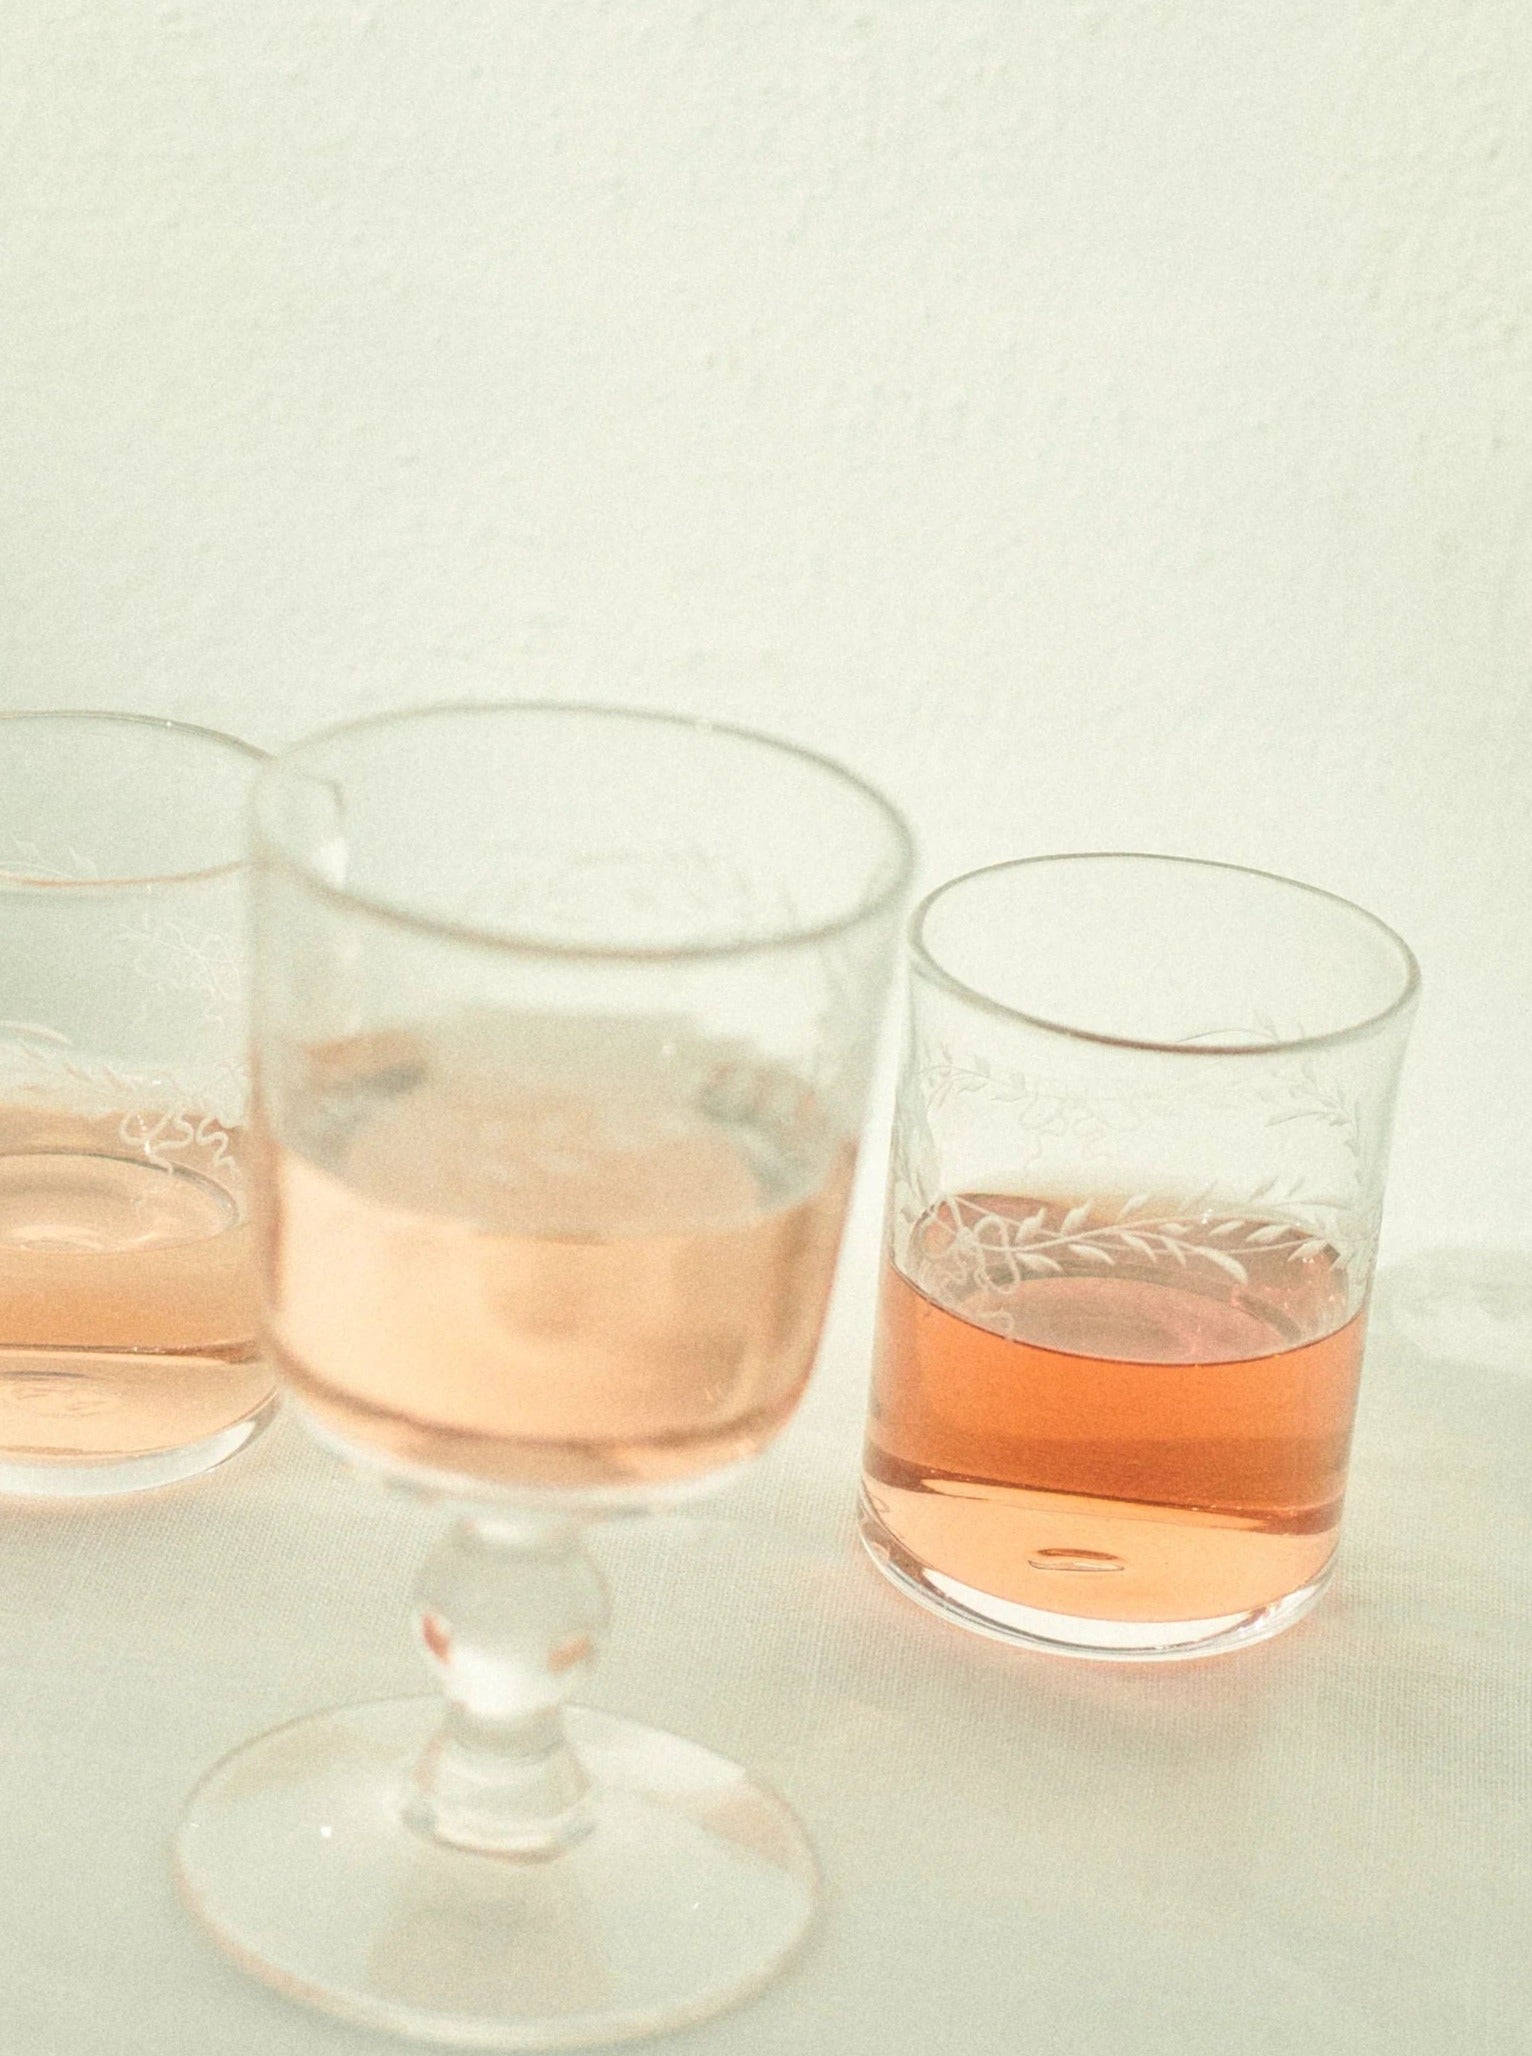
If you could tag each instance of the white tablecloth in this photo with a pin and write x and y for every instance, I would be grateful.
(1322, 1845)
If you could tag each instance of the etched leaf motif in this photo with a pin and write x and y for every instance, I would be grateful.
(35, 1031)
(158, 1115)
(1228, 1263)
(1305, 1094)
(981, 1253)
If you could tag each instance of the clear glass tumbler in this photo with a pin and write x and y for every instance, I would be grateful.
(1137, 1178)
(128, 1309)
(563, 1021)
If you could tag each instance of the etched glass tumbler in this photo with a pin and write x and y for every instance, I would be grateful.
(1137, 1177)
(128, 1352)
(563, 1021)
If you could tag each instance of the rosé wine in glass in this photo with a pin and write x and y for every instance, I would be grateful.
(564, 1020)
(552, 1253)
(129, 1315)
(1136, 1183)
(1168, 1433)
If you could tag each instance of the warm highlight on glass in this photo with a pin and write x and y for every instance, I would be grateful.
(563, 1022)
(1137, 1178)
(128, 1352)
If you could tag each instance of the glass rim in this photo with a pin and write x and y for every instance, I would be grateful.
(110, 717)
(926, 964)
(885, 892)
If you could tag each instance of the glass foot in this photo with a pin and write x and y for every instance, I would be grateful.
(1064, 1634)
(689, 1889)
(107, 1476)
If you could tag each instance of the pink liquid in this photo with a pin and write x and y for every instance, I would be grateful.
(560, 1254)
(1122, 1426)
(127, 1287)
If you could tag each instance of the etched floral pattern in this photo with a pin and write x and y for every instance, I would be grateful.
(965, 1120)
(202, 969)
(159, 1116)
(984, 1255)
(1008, 1248)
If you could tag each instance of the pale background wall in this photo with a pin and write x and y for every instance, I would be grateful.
(1106, 421)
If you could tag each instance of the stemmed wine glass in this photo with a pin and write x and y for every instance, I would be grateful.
(563, 1023)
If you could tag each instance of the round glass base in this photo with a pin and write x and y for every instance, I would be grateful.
(1064, 1634)
(106, 1476)
(691, 1887)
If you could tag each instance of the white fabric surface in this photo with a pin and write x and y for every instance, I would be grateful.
(1318, 1845)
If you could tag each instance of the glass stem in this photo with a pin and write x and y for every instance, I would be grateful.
(510, 1612)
